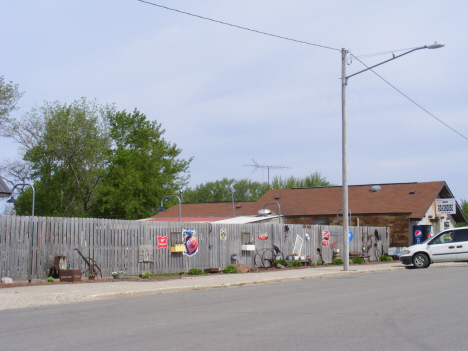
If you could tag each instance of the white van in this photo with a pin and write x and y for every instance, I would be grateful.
(451, 245)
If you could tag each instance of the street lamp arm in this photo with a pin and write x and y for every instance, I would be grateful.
(180, 203)
(279, 209)
(432, 46)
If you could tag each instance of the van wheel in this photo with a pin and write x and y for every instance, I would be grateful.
(420, 260)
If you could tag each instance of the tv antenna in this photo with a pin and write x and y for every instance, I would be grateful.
(256, 165)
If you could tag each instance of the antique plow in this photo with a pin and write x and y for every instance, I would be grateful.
(94, 269)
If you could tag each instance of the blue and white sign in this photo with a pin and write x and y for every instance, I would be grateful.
(350, 236)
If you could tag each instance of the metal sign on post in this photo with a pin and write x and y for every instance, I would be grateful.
(446, 206)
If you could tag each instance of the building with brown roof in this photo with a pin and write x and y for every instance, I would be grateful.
(4, 189)
(400, 206)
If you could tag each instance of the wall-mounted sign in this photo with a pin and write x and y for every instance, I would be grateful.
(350, 236)
(223, 234)
(145, 253)
(325, 238)
(446, 206)
(298, 245)
(262, 236)
(190, 241)
(162, 242)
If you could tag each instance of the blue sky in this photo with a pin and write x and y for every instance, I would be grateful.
(226, 95)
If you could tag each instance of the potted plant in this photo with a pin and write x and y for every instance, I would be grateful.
(248, 246)
(119, 275)
(293, 257)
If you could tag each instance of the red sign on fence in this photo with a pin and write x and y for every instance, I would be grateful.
(325, 238)
(162, 242)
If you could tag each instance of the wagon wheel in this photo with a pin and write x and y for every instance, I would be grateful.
(268, 258)
(278, 253)
(94, 269)
(258, 258)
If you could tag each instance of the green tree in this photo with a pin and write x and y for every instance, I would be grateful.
(218, 191)
(464, 206)
(9, 96)
(142, 168)
(65, 148)
(313, 180)
(248, 190)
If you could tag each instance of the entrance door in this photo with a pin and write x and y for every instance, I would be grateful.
(443, 247)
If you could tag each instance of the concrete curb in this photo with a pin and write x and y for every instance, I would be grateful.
(43, 295)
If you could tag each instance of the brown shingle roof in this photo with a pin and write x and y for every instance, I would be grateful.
(392, 198)
(4, 190)
(413, 199)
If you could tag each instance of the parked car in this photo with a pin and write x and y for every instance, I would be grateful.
(450, 245)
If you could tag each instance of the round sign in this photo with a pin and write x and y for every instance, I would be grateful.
(350, 236)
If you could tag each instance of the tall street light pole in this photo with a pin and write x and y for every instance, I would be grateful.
(344, 83)
(161, 209)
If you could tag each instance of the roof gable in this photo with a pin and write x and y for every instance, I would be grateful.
(4, 189)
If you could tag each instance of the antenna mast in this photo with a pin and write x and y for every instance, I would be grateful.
(256, 165)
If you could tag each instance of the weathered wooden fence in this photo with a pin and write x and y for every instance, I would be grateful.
(28, 245)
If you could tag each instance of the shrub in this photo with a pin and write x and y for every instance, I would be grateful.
(194, 271)
(230, 269)
(337, 261)
(281, 262)
(358, 260)
(289, 264)
(313, 264)
(50, 279)
(325, 263)
(146, 275)
(384, 258)
(296, 263)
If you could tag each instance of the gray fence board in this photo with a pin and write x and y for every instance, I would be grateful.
(29, 245)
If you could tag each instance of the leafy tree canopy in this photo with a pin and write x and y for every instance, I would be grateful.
(464, 206)
(9, 96)
(86, 159)
(142, 168)
(248, 190)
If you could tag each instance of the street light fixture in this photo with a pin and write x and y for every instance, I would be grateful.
(161, 209)
(265, 211)
(232, 190)
(344, 83)
(12, 199)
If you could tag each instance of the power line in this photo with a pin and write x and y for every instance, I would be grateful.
(383, 53)
(414, 102)
(239, 27)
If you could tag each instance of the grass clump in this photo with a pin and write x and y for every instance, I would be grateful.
(384, 258)
(358, 260)
(50, 279)
(313, 264)
(281, 262)
(296, 263)
(337, 261)
(230, 269)
(195, 271)
(146, 275)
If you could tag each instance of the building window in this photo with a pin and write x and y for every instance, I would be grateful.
(322, 221)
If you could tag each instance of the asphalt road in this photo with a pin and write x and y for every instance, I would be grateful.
(399, 310)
